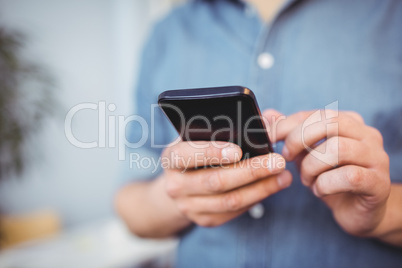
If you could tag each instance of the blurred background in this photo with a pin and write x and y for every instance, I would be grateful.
(58, 210)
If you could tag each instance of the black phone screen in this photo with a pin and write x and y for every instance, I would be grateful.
(228, 114)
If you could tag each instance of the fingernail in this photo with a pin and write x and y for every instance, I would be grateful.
(284, 180)
(231, 152)
(285, 152)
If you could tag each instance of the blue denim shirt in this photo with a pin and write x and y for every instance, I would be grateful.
(323, 51)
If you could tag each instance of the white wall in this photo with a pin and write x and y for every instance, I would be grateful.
(91, 48)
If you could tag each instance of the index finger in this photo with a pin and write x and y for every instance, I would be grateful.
(223, 179)
(282, 127)
(317, 128)
(184, 155)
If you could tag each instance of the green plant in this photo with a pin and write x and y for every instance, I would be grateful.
(25, 100)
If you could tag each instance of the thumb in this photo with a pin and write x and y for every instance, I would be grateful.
(271, 117)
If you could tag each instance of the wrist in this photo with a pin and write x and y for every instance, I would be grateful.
(389, 229)
(167, 204)
(381, 227)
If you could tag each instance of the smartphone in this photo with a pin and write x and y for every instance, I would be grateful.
(228, 114)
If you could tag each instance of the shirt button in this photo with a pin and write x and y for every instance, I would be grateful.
(257, 211)
(265, 60)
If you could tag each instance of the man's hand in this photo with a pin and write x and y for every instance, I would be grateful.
(212, 196)
(345, 164)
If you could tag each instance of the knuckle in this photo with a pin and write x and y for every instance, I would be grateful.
(173, 187)
(385, 158)
(376, 134)
(334, 145)
(332, 120)
(333, 126)
(302, 115)
(270, 111)
(165, 152)
(267, 188)
(166, 155)
(211, 150)
(341, 152)
(306, 171)
(320, 187)
(331, 115)
(172, 154)
(346, 121)
(214, 182)
(206, 221)
(291, 141)
(252, 171)
(299, 115)
(346, 115)
(356, 116)
(382, 160)
(387, 183)
(231, 201)
(174, 150)
(354, 176)
(183, 207)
